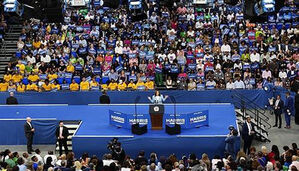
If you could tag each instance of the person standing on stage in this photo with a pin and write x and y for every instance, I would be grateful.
(29, 132)
(278, 108)
(157, 98)
(247, 134)
(104, 99)
(62, 133)
(289, 108)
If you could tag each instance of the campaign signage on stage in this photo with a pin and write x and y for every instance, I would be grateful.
(170, 119)
(142, 119)
(198, 119)
(118, 119)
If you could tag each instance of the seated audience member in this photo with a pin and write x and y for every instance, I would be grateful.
(132, 85)
(74, 86)
(112, 85)
(149, 84)
(122, 86)
(46, 86)
(84, 85)
(21, 88)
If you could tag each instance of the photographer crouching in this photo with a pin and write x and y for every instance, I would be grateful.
(118, 153)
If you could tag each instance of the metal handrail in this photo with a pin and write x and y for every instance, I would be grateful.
(251, 104)
(235, 92)
(254, 113)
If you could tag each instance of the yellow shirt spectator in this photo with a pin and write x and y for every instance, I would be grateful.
(112, 86)
(132, 86)
(122, 86)
(55, 86)
(3, 86)
(140, 84)
(36, 44)
(149, 85)
(94, 84)
(7, 77)
(17, 78)
(31, 87)
(70, 68)
(52, 76)
(47, 87)
(104, 86)
(74, 87)
(21, 67)
(33, 78)
(84, 85)
(21, 88)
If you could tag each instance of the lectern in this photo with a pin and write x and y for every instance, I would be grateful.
(156, 112)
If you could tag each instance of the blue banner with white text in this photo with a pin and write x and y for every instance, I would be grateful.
(198, 119)
(117, 118)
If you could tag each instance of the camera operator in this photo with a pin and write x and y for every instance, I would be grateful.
(117, 151)
(230, 142)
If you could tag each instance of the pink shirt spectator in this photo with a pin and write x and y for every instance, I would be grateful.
(266, 74)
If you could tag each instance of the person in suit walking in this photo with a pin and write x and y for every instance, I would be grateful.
(29, 132)
(62, 133)
(247, 134)
(289, 109)
(278, 109)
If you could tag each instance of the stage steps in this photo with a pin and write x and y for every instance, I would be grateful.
(261, 130)
(73, 126)
(244, 107)
(9, 46)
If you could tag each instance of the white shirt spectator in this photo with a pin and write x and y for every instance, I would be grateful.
(238, 66)
(171, 57)
(118, 50)
(31, 59)
(230, 86)
(39, 158)
(239, 84)
(282, 75)
(45, 59)
(255, 57)
(225, 48)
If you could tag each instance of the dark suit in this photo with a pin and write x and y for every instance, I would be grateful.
(247, 137)
(104, 99)
(289, 108)
(11, 100)
(63, 141)
(278, 111)
(29, 135)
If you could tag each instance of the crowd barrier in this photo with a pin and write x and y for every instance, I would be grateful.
(125, 97)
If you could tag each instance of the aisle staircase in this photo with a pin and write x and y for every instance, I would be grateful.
(9, 46)
(244, 107)
(72, 125)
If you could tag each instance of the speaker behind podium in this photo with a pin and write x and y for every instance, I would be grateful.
(156, 112)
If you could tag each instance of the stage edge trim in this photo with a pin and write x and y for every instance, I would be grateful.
(103, 136)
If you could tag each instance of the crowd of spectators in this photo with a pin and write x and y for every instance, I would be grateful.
(182, 47)
(262, 159)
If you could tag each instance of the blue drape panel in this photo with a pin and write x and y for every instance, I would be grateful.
(12, 132)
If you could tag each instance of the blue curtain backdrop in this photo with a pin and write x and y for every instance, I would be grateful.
(12, 132)
(123, 97)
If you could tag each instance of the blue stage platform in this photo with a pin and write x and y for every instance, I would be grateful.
(95, 131)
